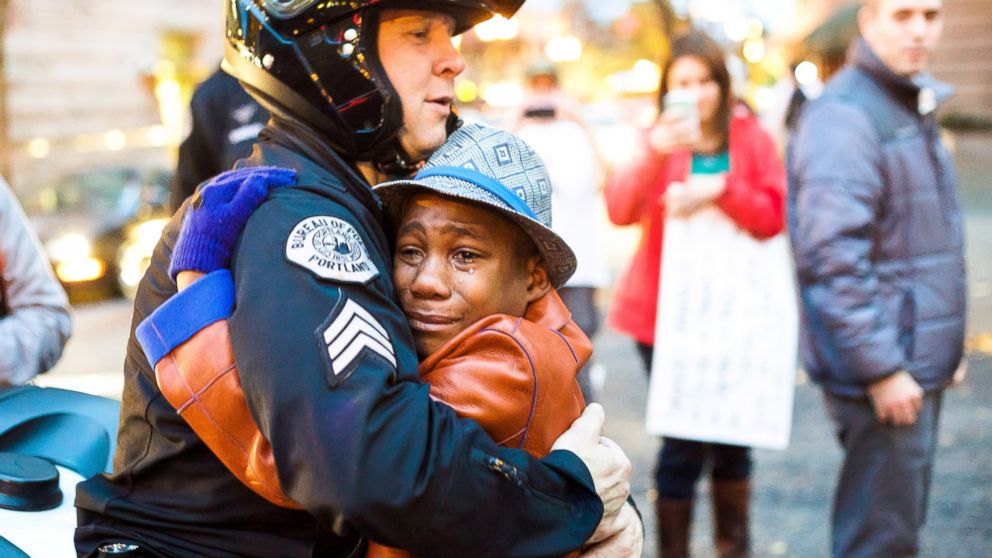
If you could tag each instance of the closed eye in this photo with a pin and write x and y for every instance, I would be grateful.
(420, 35)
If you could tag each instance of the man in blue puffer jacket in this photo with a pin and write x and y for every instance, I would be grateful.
(877, 236)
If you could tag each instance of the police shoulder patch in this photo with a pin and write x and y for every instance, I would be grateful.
(330, 248)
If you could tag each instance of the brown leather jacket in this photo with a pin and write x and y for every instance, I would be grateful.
(514, 376)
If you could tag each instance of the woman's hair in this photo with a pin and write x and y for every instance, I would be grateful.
(698, 44)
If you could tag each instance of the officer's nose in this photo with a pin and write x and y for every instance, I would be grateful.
(448, 60)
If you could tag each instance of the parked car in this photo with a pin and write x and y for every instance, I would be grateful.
(99, 227)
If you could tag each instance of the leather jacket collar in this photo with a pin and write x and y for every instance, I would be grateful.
(548, 311)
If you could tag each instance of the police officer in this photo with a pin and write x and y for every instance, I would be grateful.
(327, 363)
(225, 123)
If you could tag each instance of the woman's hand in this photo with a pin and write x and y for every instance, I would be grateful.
(682, 199)
(217, 215)
(674, 130)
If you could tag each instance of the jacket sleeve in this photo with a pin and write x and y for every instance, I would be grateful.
(755, 199)
(488, 380)
(37, 325)
(496, 377)
(634, 190)
(837, 193)
(356, 438)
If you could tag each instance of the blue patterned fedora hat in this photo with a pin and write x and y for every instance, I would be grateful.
(497, 169)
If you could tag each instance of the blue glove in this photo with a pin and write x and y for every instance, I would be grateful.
(217, 215)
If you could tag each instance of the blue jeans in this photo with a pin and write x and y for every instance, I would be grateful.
(681, 462)
(880, 503)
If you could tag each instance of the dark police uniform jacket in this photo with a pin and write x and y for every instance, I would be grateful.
(329, 372)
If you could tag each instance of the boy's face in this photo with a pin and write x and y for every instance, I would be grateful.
(457, 263)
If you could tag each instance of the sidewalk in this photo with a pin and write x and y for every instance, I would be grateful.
(793, 489)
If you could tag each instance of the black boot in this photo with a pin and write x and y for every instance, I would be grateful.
(674, 516)
(731, 501)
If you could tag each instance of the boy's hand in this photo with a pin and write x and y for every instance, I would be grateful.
(187, 278)
(216, 217)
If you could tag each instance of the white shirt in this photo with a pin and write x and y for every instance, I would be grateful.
(576, 176)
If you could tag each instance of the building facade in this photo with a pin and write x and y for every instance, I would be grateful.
(963, 56)
(86, 83)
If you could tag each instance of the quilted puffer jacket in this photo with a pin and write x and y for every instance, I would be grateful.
(876, 230)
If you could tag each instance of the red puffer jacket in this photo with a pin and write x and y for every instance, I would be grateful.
(753, 199)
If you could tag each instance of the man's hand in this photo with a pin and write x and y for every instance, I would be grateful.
(897, 399)
(627, 538)
(608, 465)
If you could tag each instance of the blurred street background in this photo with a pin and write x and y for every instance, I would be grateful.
(93, 106)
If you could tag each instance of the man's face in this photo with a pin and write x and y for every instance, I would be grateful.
(457, 263)
(417, 54)
(902, 33)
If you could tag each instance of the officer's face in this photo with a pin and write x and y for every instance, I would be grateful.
(417, 54)
(457, 263)
(902, 33)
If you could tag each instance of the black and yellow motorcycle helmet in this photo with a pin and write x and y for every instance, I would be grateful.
(317, 61)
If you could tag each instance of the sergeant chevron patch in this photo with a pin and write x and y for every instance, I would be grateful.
(349, 335)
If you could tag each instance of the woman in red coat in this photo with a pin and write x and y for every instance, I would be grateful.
(725, 158)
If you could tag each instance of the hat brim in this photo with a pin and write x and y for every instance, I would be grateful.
(558, 256)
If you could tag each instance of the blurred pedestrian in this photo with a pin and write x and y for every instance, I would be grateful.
(877, 236)
(225, 121)
(723, 158)
(34, 311)
(551, 124)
